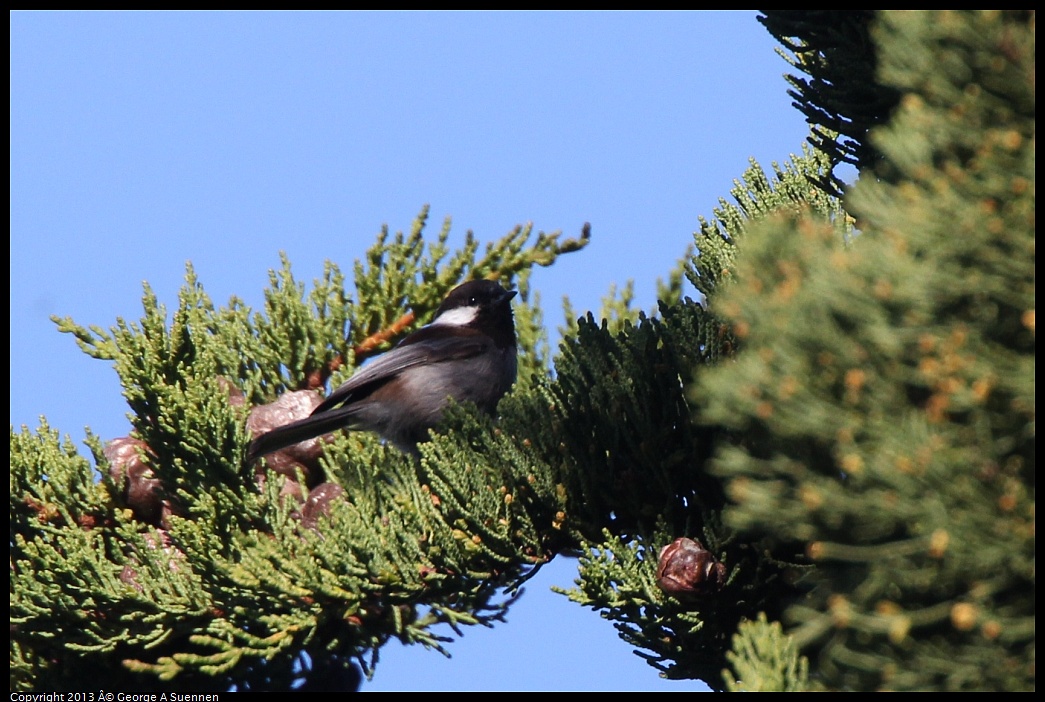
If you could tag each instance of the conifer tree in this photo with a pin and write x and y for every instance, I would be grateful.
(883, 399)
(819, 476)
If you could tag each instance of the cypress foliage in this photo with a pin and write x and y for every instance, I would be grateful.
(634, 464)
(238, 581)
(765, 660)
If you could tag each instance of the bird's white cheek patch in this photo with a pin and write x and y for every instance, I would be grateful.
(457, 317)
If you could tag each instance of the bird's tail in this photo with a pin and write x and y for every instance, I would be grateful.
(301, 430)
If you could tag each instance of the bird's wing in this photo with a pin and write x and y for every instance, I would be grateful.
(426, 346)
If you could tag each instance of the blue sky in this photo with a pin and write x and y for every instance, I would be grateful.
(140, 141)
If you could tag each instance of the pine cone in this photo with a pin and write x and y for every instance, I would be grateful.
(139, 487)
(687, 570)
(318, 503)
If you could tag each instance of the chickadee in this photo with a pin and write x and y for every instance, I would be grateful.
(467, 353)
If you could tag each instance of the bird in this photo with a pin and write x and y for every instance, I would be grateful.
(467, 353)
